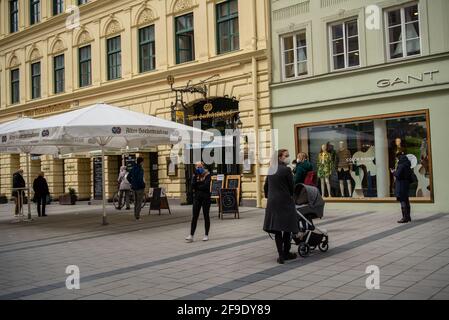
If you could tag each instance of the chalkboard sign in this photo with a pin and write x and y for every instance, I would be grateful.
(229, 203)
(234, 182)
(215, 187)
(158, 200)
(98, 174)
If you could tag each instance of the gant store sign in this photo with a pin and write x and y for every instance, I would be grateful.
(395, 82)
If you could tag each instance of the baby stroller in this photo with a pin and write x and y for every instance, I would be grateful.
(309, 205)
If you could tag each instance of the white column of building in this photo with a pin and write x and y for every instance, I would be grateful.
(381, 148)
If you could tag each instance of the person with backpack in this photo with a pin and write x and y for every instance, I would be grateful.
(124, 188)
(303, 166)
(136, 179)
(404, 177)
(41, 191)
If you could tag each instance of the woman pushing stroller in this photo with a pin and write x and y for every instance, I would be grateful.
(281, 218)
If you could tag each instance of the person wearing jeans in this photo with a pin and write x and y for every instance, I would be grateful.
(201, 199)
(136, 178)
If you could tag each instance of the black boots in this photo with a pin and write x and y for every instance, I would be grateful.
(405, 208)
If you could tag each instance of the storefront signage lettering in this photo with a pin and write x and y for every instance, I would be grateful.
(212, 115)
(409, 79)
(145, 131)
(47, 110)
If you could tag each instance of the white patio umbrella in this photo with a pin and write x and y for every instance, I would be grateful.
(104, 127)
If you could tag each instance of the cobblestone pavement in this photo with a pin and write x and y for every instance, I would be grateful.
(150, 260)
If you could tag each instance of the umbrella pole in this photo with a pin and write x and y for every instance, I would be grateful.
(105, 222)
(28, 185)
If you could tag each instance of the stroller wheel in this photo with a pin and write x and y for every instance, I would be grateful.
(304, 250)
(323, 246)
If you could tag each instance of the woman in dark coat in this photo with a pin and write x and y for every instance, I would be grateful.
(41, 192)
(280, 214)
(201, 199)
(18, 182)
(404, 176)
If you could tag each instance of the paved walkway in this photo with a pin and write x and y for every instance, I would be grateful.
(150, 260)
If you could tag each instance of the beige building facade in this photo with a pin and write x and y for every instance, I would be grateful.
(121, 53)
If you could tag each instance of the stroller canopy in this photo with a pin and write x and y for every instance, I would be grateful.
(309, 195)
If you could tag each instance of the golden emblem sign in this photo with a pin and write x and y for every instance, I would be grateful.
(208, 107)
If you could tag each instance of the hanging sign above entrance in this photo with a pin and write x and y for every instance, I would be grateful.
(213, 108)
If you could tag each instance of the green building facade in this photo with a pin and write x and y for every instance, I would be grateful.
(355, 84)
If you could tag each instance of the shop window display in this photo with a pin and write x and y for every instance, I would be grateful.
(355, 159)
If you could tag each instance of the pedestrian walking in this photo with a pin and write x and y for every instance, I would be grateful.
(136, 178)
(124, 188)
(404, 176)
(17, 183)
(201, 199)
(41, 192)
(281, 218)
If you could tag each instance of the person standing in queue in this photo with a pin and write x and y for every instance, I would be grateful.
(136, 178)
(281, 218)
(201, 199)
(41, 191)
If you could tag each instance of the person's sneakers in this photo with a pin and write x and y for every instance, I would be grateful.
(402, 221)
(128, 208)
(44, 215)
(290, 256)
(206, 238)
(189, 239)
(280, 260)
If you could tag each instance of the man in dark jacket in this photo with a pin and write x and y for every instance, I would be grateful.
(281, 217)
(17, 183)
(201, 199)
(404, 176)
(136, 178)
(41, 192)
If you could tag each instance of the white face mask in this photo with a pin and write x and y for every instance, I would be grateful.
(287, 161)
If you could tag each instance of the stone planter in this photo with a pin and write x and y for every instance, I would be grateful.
(67, 199)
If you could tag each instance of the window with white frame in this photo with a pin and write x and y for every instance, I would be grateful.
(403, 32)
(294, 55)
(345, 49)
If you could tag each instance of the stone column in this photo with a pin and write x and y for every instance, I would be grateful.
(54, 173)
(112, 171)
(381, 149)
(78, 176)
(9, 163)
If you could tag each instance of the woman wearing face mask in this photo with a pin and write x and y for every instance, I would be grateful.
(201, 199)
(280, 214)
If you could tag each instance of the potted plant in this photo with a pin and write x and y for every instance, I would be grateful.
(68, 198)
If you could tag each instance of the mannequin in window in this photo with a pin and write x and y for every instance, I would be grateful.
(325, 166)
(344, 168)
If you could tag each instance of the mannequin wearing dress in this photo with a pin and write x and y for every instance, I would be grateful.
(325, 166)
(344, 168)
